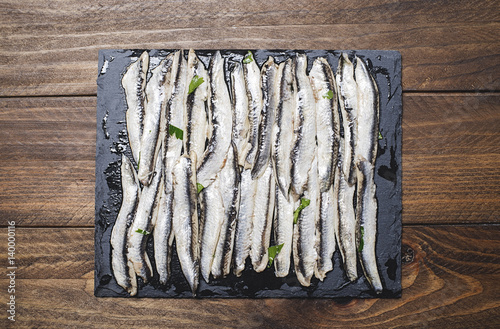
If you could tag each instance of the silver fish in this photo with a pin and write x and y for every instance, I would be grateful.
(158, 91)
(230, 190)
(142, 225)
(327, 121)
(211, 219)
(163, 236)
(262, 219)
(221, 123)
(174, 118)
(282, 133)
(366, 152)
(134, 84)
(244, 223)
(185, 219)
(348, 104)
(270, 88)
(347, 224)
(304, 232)
(283, 231)
(325, 233)
(196, 109)
(255, 101)
(304, 147)
(239, 104)
(123, 273)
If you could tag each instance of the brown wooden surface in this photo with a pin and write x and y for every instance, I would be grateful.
(451, 152)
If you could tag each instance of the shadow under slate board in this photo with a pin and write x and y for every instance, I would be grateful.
(112, 142)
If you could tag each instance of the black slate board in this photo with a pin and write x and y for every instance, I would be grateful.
(112, 142)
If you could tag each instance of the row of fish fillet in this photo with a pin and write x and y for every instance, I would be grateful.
(225, 168)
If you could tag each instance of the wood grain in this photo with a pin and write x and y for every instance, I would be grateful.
(52, 50)
(451, 151)
(450, 278)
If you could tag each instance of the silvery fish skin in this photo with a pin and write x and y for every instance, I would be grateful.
(283, 231)
(304, 232)
(185, 219)
(244, 223)
(230, 190)
(123, 273)
(347, 224)
(255, 102)
(136, 242)
(221, 123)
(366, 152)
(367, 212)
(196, 109)
(239, 104)
(174, 116)
(163, 236)
(304, 148)
(211, 219)
(262, 219)
(327, 121)
(134, 84)
(325, 233)
(282, 133)
(270, 88)
(158, 91)
(347, 88)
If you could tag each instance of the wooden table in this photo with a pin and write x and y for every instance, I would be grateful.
(451, 153)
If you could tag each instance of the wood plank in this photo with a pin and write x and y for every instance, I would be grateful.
(451, 151)
(450, 277)
(47, 50)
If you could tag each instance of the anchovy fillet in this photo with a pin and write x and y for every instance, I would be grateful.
(239, 104)
(174, 116)
(283, 231)
(125, 275)
(270, 89)
(327, 121)
(347, 225)
(304, 147)
(348, 104)
(325, 233)
(230, 190)
(185, 219)
(244, 223)
(366, 151)
(282, 133)
(262, 219)
(134, 84)
(158, 92)
(255, 101)
(221, 123)
(142, 224)
(304, 233)
(196, 109)
(163, 236)
(211, 219)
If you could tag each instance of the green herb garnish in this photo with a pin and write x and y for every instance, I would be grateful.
(379, 135)
(273, 251)
(142, 231)
(195, 82)
(177, 131)
(199, 187)
(361, 241)
(139, 161)
(303, 203)
(248, 58)
(329, 94)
